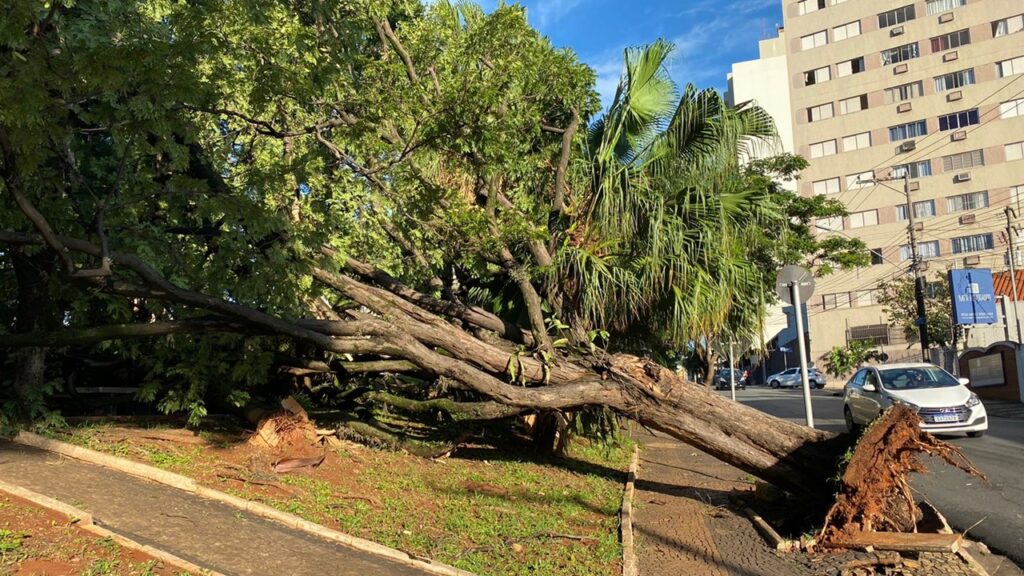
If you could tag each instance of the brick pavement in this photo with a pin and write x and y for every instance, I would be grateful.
(202, 531)
(684, 524)
(682, 521)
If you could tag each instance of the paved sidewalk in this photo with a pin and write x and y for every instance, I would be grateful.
(682, 523)
(202, 531)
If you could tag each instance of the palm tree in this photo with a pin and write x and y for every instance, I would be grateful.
(657, 250)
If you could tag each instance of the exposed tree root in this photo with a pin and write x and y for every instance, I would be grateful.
(875, 494)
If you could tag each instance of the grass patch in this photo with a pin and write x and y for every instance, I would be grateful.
(10, 542)
(492, 510)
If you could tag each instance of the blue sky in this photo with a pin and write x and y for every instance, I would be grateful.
(709, 34)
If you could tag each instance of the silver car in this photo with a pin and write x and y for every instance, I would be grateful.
(791, 378)
(941, 400)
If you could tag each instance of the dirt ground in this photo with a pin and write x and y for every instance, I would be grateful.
(38, 542)
(487, 510)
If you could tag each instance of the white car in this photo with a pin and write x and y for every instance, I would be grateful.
(939, 398)
(791, 379)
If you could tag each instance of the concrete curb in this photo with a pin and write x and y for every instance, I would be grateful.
(630, 566)
(86, 522)
(191, 486)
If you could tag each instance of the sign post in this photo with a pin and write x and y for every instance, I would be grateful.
(795, 285)
(732, 374)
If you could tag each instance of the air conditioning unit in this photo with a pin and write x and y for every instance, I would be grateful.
(954, 96)
(900, 69)
(947, 17)
(950, 56)
(958, 135)
(918, 226)
(905, 107)
(967, 219)
(962, 177)
(896, 31)
(908, 146)
(972, 260)
(914, 186)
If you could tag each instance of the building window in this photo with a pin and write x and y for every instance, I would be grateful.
(839, 300)
(1014, 151)
(855, 104)
(826, 148)
(975, 243)
(900, 54)
(908, 130)
(817, 76)
(897, 16)
(1010, 67)
(831, 224)
(862, 180)
(814, 40)
(958, 120)
(830, 186)
(937, 6)
(846, 31)
(951, 40)
(912, 170)
(862, 219)
(923, 209)
(965, 202)
(855, 66)
(821, 112)
(865, 298)
(808, 6)
(858, 141)
(924, 249)
(954, 80)
(876, 256)
(904, 92)
(1008, 26)
(1011, 109)
(963, 160)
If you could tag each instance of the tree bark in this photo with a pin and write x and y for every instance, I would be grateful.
(32, 273)
(791, 456)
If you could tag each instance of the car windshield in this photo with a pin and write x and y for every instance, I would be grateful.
(917, 378)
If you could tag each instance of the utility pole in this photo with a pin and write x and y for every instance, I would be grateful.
(915, 261)
(1010, 229)
(919, 282)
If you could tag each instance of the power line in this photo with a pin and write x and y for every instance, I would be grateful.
(920, 151)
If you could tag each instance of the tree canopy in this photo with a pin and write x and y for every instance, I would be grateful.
(210, 191)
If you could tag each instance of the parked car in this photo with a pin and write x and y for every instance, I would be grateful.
(791, 379)
(941, 400)
(721, 379)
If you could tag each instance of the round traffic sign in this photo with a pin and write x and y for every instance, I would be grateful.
(801, 276)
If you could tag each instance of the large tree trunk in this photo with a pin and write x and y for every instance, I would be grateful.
(32, 273)
(788, 455)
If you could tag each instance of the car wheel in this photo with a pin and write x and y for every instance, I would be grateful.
(774, 383)
(977, 434)
(851, 425)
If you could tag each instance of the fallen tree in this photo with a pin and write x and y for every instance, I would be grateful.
(387, 187)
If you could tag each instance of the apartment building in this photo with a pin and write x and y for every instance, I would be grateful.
(932, 90)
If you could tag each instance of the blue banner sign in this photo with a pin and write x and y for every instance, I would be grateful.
(973, 296)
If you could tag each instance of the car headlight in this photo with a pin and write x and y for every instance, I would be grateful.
(973, 400)
(910, 405)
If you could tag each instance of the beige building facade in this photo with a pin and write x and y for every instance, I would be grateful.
(933, 89)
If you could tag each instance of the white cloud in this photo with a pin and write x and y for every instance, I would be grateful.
(551, 11)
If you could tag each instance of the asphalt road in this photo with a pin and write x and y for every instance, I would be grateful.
(965, 501)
